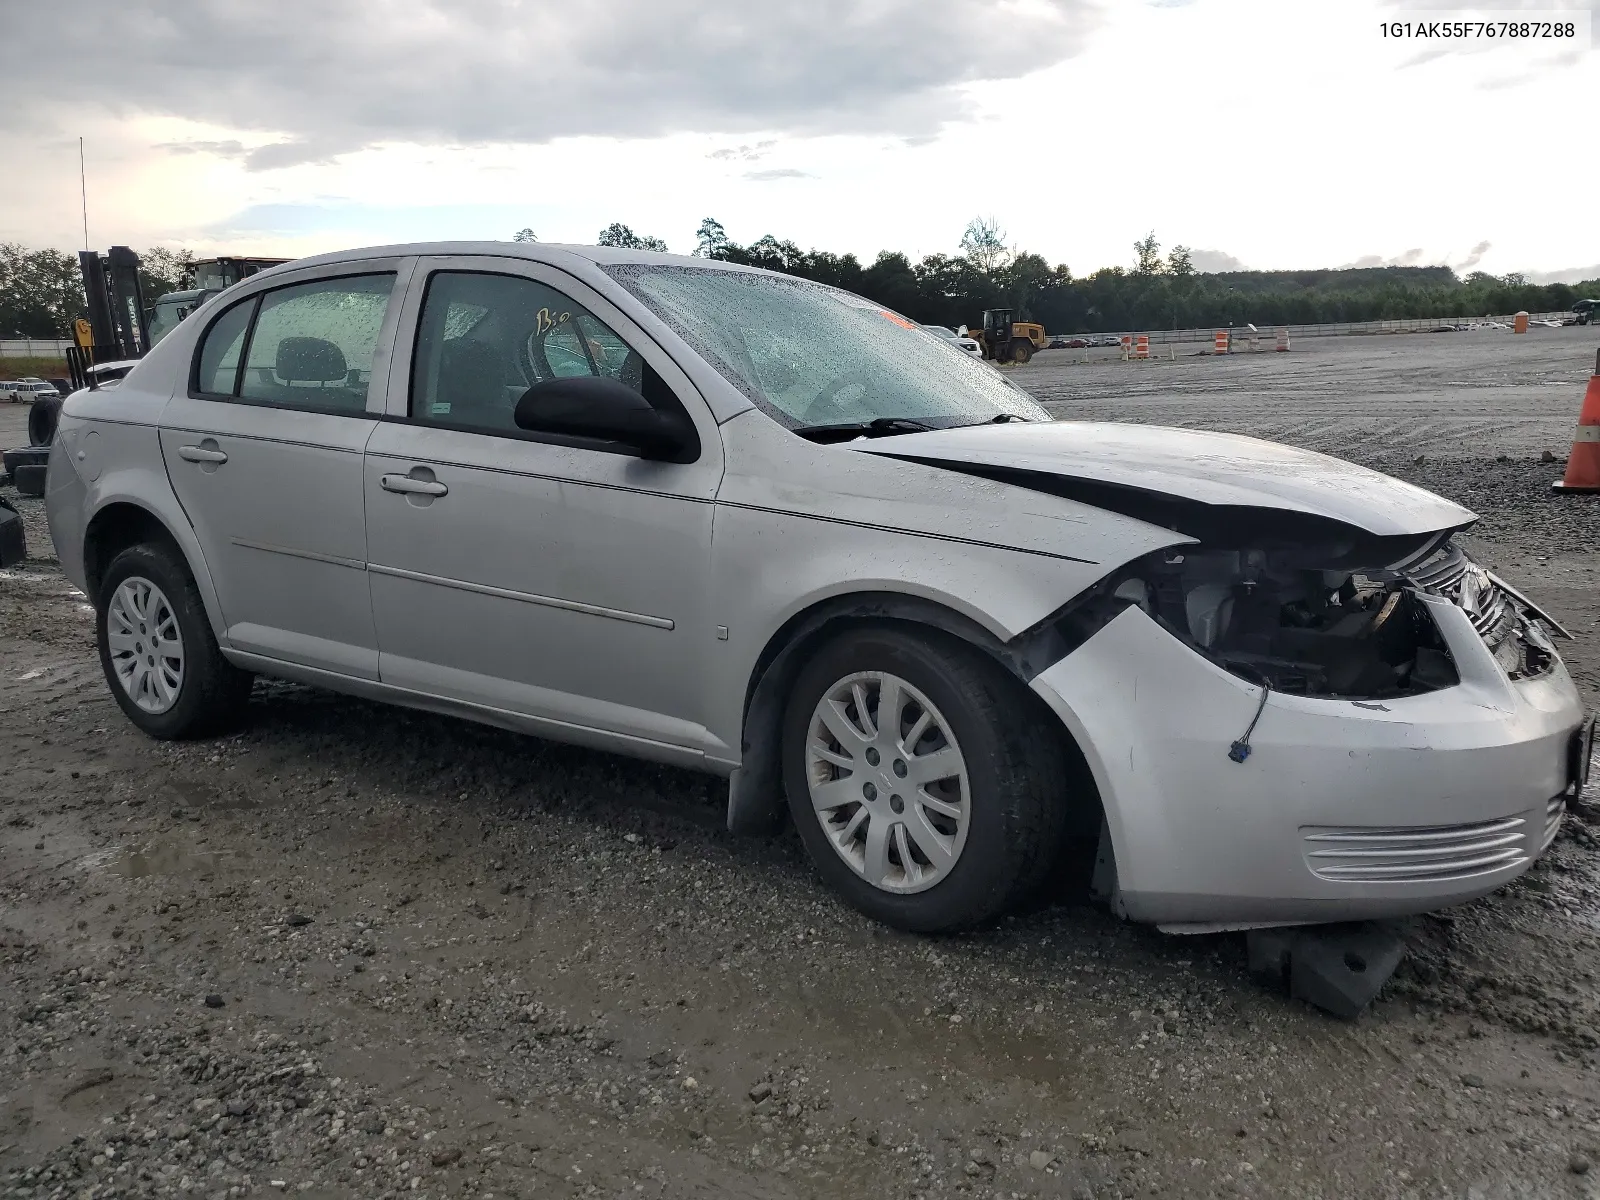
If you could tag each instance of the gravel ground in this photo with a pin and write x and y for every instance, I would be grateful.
(357, 951)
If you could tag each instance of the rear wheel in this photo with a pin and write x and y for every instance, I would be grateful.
(157, 649)
(926, 789)
(1022, 351)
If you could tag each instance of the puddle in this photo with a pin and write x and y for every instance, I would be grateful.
(161, 859)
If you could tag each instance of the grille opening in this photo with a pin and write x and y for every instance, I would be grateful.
(1517, 639)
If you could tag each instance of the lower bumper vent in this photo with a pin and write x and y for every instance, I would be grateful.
(1554, 811)
(1417, 854)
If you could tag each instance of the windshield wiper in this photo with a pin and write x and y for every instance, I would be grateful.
(877, 427)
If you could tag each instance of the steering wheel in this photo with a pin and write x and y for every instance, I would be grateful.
(827, 398)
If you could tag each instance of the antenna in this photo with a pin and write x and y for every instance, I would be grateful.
(83, 182)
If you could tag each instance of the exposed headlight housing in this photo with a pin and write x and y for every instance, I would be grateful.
(1307, 621)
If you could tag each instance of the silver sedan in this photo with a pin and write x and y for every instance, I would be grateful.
(733, 520)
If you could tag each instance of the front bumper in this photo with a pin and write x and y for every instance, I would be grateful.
(1344, 810)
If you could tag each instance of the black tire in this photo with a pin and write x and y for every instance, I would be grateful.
(26, 456)
(212, 693)
(42, 420)
(29, 480)
(1017, 770)
(13, 538)
(1021, 352)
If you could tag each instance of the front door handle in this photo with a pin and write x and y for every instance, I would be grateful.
(406, 485)
(200, 454)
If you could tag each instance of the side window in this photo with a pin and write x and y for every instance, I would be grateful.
(485, 339)
(312, 344)
(218, 371)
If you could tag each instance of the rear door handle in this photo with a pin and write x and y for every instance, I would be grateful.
(406, 485)
(199, 454)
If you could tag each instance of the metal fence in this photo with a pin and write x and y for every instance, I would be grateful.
(1339, 329)
(33, 347)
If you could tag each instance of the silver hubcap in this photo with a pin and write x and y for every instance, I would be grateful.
(146, 646)
(888, 782)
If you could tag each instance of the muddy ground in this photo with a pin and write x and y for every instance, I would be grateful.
(357, 951)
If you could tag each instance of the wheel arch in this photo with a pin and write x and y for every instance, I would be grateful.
(755, 792)
(120, 523)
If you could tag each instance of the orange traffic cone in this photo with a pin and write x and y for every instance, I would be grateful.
(1583, 468)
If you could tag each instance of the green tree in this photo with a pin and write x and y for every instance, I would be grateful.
(162, 270)
(1180, 262)
(618, 234)
(41, 291)
(1025, 280)
(524, 235)
(984, 244)
(891, 282)
(1148, 255)
(711, 239)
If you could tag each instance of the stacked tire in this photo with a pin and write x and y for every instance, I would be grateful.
(26, 464)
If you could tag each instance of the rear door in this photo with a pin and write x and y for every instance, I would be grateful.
(264, 451)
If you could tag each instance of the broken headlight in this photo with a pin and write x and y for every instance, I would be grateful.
(1274, 617)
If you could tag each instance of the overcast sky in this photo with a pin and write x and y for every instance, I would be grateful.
(1262, 133)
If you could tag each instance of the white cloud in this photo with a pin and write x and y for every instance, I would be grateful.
(1217, 123)
(332, 78)
(1566, 275)
(1213, 261)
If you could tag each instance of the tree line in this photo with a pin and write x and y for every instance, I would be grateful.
(1155, 292)
(41, 291)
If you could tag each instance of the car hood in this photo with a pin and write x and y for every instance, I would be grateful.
(1119, 467)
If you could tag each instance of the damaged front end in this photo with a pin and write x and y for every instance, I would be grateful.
(1335, 617)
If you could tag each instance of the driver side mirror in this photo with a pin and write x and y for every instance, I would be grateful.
(590, 406)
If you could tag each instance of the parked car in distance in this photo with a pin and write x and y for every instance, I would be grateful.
(967, 344)
(741, 522)
(1079, 343)
(30, 388)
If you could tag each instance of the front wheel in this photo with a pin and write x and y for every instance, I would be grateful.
(926, 789)
(157, 649)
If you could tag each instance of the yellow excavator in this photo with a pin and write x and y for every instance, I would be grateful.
(1007, 341)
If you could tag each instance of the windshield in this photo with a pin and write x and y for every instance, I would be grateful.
(169, 310)
(807, 355)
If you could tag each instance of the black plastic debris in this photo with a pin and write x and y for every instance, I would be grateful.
(13, 543)
(1338, 968)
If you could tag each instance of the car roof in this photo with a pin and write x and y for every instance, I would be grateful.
(552, 253)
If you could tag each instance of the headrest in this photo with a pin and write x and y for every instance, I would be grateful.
(310, 360)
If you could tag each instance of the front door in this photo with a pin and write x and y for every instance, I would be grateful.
(557, 579)
(264, 452)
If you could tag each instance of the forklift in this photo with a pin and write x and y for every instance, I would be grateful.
(117, 332)
(119, 327)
